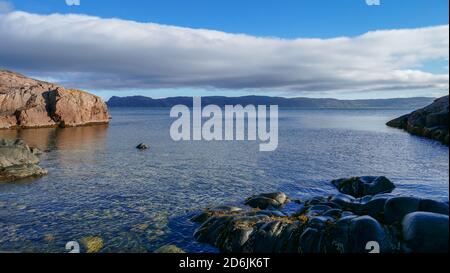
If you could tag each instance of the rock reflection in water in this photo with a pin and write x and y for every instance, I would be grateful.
(60, 138)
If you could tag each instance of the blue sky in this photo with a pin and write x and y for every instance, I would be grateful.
(288, 19)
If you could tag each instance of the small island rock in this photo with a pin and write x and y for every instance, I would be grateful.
(142, 146)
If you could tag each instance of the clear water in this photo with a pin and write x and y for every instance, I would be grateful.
(137, 201)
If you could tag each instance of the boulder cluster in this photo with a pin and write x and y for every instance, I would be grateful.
(18, 161)
(365, 214)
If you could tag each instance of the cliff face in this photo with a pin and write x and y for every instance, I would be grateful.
(430, 122)
(29, 103)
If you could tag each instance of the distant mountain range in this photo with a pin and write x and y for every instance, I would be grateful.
(397, 103)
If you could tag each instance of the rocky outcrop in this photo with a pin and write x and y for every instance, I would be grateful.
(29, 103)
(18, 161)
(430, 122)
(330, 224)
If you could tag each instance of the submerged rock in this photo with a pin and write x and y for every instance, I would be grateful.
(362, 186)
(18, 161)
(328, 224)
(93, 244)
(430, 122)
(171, 249)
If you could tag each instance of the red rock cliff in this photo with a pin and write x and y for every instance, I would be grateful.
(29, 103)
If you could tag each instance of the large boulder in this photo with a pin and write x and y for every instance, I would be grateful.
(430, 122)
(18, 161)
(364, 229)
(425, 232)
(375, 207)
(434, 206)
(29, 103)
(362, 186)
(396, 208)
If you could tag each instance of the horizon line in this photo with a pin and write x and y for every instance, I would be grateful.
(277, 97)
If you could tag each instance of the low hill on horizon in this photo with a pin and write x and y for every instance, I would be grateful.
(300, 102)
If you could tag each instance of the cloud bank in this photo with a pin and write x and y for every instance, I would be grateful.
(98, 53)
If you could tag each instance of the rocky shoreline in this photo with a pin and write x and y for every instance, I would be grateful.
(430, 122)
(18, 161)
(365, 211)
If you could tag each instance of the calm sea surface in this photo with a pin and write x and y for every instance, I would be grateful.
(137, 201)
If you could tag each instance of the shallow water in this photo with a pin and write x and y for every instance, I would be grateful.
(137, 201)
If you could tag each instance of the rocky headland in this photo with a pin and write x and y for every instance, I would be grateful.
(30, 103)
(365, 211)
(18, 161)
(430, 122)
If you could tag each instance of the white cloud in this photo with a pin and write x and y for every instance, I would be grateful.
(92, 52)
